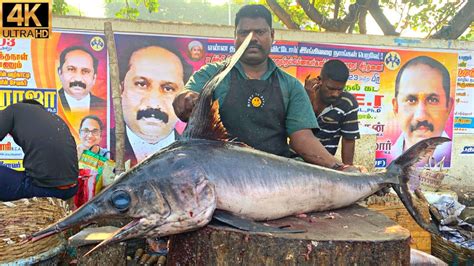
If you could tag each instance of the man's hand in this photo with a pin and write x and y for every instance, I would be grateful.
(310, 86)
(350, 169)
(354, 169)
(184, 103)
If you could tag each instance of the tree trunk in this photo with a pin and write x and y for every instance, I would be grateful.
(354, 235)
(381, 20)
(116, 99)
(282, 15)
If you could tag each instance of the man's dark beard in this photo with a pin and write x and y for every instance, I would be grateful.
(330, 100)
(326, 99)
(153, 112)
(424, 123)
(77, 84)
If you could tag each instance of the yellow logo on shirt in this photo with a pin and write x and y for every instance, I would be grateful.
(256, 101)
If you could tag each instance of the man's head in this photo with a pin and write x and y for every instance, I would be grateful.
(422, 101)
(256, 19)
(77, 71)
(32, 101)
(333, 78)
(196, 50)
(151, 76)
(90, 130)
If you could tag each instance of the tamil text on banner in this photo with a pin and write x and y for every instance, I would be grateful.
(464, 111)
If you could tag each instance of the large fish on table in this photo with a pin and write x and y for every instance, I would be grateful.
(181, 187)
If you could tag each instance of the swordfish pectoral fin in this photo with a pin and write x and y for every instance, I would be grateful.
(250, 226)
(205, 122)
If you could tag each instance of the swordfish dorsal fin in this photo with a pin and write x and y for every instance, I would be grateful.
(205, 122)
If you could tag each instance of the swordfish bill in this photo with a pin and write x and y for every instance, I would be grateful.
(178, 188)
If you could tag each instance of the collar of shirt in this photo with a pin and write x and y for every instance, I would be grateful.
(326, 110)
(271, 67)
(143, 149)
(78, 105)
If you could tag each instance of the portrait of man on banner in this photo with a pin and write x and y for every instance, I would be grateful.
(423, 106)
(78, 72)
(152, 73)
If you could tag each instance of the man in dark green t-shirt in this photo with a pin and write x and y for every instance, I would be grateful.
(260, 104)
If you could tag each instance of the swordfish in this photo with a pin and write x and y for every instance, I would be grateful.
(182, 186)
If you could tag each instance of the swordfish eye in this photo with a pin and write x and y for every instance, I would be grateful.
(121, 200)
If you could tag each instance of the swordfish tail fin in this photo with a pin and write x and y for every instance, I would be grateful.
(404, 167)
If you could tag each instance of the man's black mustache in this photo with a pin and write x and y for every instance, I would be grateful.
(424, 123)
(77, 84)
(153, 112)
(255, 45)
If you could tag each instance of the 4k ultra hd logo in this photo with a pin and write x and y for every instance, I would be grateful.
(25, 18)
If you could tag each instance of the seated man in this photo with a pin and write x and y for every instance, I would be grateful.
(50, 159)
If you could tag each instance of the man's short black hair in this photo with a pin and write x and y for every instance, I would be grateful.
(93, 117)
(336, 70)
(427, 61)
(126, 53)
(31, 101)
(254, 11)
(62, 57)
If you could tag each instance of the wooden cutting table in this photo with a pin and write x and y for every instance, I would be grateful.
(353, 235)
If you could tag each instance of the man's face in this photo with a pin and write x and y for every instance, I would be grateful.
(196, 53)
(260, 45)
(421, 106)
(330, 90)
(153, 80)
(90, 133)
(77, 74)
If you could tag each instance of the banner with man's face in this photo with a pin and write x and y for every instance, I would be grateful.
(67, 73)
(419, 89)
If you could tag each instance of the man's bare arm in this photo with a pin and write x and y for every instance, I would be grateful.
(347, 152)
(310, 149)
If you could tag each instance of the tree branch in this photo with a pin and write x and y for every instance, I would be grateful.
(282, 15)
(380, 18)
(337, 5)
(362, 20)
(336, 25)
(458, 24)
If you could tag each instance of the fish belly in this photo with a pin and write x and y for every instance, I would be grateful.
(266, 201)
